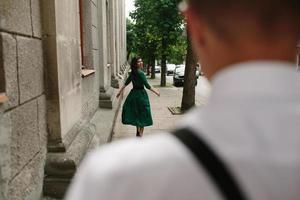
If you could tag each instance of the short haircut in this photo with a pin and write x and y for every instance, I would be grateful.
(266, 13)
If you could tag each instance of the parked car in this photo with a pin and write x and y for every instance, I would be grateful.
(198, 71)
(157, 69)
(170, 69)
(178, 76)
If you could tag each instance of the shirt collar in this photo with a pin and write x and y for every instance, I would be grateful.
(256, 80)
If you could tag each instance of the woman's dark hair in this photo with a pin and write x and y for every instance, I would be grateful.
(134, 65)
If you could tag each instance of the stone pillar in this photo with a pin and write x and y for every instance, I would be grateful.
(112, 38)
(62, 53)
(106, 99)
(117, 41)
(53, 109)
(124, 50)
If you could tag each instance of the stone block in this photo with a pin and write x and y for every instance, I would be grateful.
(31, 69)
(56, 187)
(90, 107)
(25, 139)
(36, 18)
(8, 63)
(60, 167)
(42, 123)
(28, 184)
(5, 138)
(107, 99)
(15, 16)
(95, 37)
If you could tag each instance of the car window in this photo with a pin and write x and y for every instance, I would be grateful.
(171, 66)
(179, 69)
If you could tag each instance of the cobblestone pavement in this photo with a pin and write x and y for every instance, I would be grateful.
(163, 119)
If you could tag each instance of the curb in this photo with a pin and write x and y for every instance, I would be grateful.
(118, 106)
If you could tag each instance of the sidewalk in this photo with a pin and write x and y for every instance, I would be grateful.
(163, 119)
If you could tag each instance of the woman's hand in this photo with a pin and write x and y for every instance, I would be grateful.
(121, 91)
(118, 95)
(157, 93)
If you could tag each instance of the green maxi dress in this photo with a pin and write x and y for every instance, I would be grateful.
(136, 108)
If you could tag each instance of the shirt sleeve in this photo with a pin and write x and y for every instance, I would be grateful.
(93, 184)
(145, 82)
(129, 79)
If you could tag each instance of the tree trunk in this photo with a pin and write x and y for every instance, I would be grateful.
(148, 66)
(128, 54)
(163, 63)
(148, 70)
(188, 97)
(152, 61)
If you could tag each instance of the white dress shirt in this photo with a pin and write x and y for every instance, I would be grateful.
(252, 121)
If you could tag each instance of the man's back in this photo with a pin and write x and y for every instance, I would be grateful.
(251, 121)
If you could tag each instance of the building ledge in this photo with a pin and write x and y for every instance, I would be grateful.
(87, 72)
(3, 98)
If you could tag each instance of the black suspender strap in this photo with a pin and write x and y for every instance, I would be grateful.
(215, 167)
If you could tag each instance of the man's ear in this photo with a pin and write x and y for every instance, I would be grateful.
(196, 27)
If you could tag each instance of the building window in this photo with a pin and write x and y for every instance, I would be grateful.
(3, 97)
(86, 40)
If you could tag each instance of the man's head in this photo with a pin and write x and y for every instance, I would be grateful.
(225, 32)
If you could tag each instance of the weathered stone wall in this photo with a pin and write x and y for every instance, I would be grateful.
(23, 123)
(50, 104)
(90, 84)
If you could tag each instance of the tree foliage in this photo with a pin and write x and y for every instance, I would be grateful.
(177, 53)
(130, 35)
(157, 29)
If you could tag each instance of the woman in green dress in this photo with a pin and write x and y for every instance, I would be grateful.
(136, 109)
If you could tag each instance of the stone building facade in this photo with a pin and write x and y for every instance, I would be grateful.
(60, 67)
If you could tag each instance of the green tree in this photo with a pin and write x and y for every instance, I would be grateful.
(177, 52)
(130, 36)
(158, 25)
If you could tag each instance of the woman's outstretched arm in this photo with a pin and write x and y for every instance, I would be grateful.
(155, 91)
(121, 91)
(147, 85)
(128, 80)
